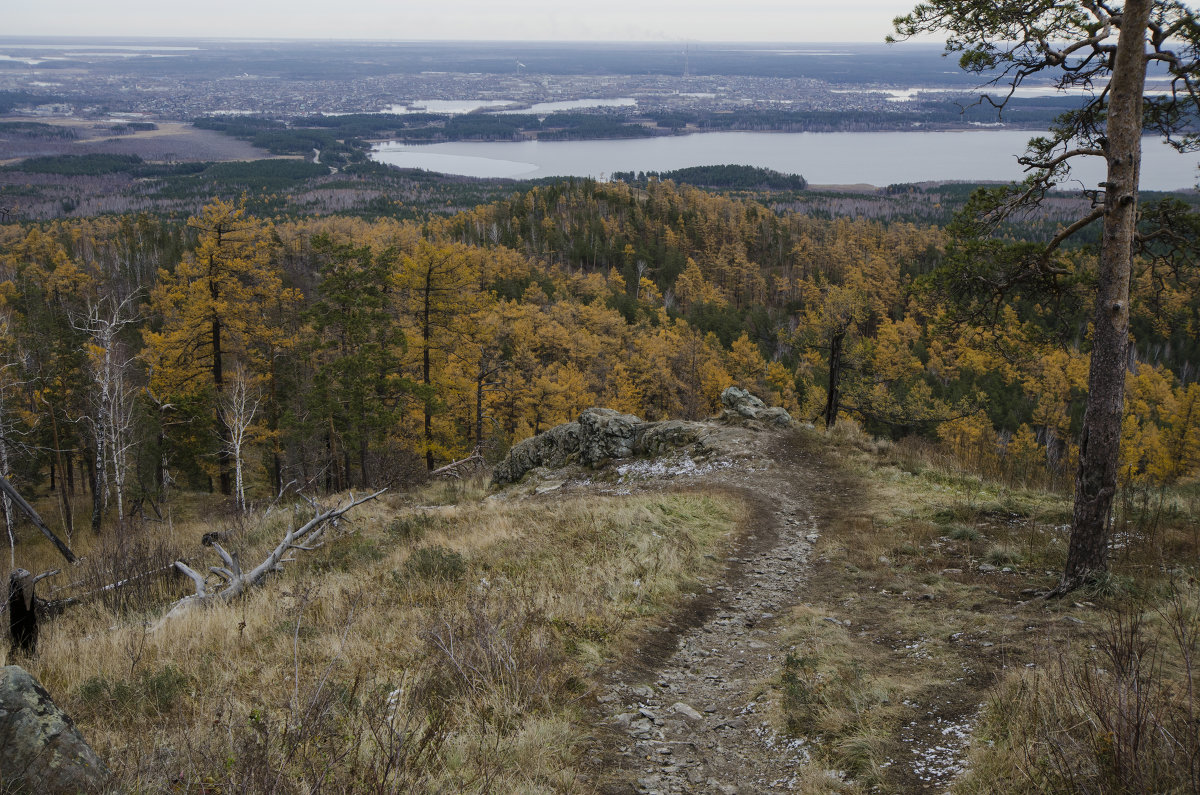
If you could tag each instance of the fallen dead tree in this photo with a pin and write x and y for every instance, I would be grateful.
(8, 489)
(236, 582)
(457, 470)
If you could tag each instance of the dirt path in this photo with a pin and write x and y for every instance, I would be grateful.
(689, 717)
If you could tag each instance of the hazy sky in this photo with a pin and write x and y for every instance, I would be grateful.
(600, 20)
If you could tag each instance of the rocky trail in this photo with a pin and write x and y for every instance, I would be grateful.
(693, 709)
(689, 717)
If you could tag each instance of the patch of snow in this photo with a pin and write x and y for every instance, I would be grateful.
(942, 761)
(666, 468)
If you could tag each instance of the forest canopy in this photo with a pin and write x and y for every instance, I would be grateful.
(237, 354)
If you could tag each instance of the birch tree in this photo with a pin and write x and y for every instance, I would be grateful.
(239, 407)
(113, 401)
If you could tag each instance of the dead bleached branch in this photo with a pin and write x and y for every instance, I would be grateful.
(235, 582)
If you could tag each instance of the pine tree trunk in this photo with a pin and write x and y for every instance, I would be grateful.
(1100, 443)
(833, 398)
(68, 519)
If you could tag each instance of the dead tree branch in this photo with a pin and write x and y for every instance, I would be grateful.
(235, 582)
(12, 493)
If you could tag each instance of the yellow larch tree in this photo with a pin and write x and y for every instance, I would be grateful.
(222, 306)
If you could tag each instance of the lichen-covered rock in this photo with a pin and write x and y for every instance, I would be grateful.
(552, 449)
(603, 435)
(606, 434)
(741, 405)
(40, 748)
(657, 438)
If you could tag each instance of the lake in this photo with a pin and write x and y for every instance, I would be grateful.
(874, 158)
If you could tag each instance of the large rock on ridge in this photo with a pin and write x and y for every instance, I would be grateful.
(603, 435)
(40, 748)
(741, 405)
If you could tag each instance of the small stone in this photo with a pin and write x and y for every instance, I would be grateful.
(642, 691)
(987, 568)
(679, 708)
(952, 571)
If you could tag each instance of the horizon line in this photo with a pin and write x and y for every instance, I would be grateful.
(366, 40)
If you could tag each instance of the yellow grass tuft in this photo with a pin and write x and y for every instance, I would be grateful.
(427, 647)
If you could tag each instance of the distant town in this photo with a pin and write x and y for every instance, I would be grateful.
(181, 81)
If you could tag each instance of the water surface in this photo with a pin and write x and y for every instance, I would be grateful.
(878, 158)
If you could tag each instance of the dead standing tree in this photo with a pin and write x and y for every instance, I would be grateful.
(24, 609)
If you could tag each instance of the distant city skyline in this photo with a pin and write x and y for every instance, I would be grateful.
(468, 20)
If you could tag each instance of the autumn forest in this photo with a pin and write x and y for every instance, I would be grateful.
(142, 357)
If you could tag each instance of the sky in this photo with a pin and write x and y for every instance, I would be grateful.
(465, 20)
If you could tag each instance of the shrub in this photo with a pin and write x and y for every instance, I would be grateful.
(436, 563)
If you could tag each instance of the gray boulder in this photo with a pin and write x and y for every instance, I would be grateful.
(603, 435)
(40, 748)
(740, 405)
(657, 438)
(606, 434)
(552, 449)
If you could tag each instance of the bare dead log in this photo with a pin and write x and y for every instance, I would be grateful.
(12, 493)
(235, 581)
(459, 469)
(55, 606)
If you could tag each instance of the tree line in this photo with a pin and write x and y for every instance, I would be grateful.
(238, 355)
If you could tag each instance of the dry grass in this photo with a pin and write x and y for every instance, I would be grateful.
(438, 643)
(922, 608)
(1112, 711)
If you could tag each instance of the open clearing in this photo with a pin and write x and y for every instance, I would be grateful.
(172, 142)
(788, 612)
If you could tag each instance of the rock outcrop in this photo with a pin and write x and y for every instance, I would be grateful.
(550, 449)
(603, 435)
(40, 748)
(606, 435)
(740, 405)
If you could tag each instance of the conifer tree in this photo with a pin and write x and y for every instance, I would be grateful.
(1104, 47)
(218, 307)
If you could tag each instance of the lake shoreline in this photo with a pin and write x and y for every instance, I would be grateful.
(840, 158)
